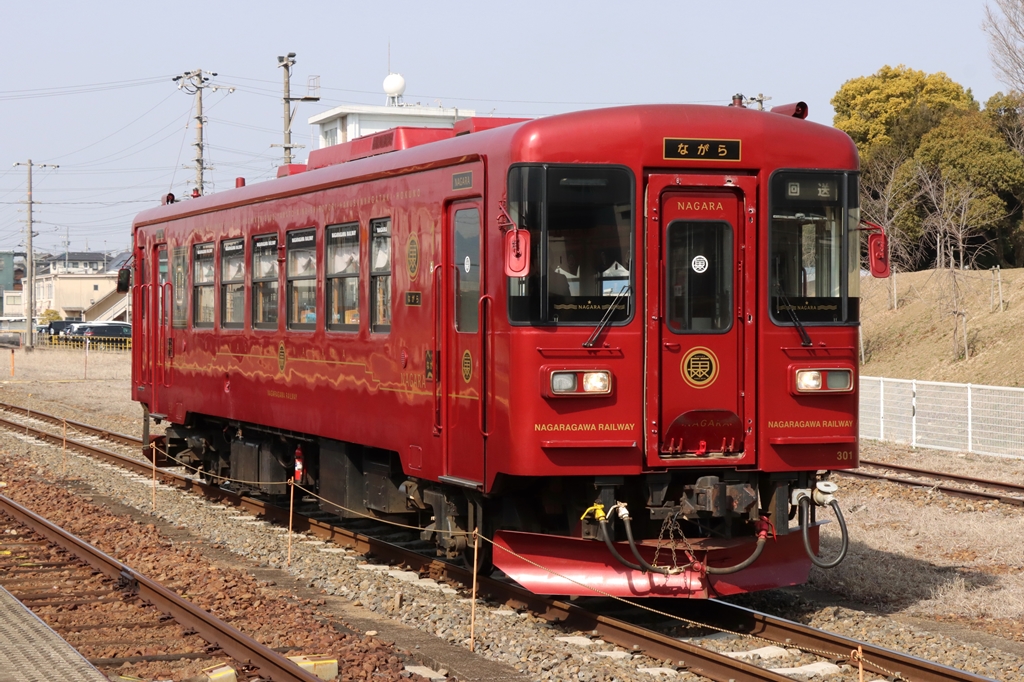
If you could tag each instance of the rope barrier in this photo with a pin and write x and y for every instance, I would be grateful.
(477, 536)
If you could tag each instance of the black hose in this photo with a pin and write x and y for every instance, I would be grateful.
(632, 546)
(725, 570)
(805, 516)
(611, 548)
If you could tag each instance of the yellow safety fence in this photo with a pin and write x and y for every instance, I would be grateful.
(93, 343)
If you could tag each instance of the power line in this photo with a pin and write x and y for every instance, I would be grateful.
(477, 99)
(61, 91)
(122, 128)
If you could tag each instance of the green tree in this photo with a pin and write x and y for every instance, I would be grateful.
(967, 149)
(896, 105)
(49, 315)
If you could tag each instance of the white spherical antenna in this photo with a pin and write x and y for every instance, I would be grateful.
(394, 85)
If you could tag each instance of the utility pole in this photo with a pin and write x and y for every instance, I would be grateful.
(193, 83)
(286, 63)
(30, 290)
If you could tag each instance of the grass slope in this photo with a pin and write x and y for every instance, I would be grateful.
(915, 341)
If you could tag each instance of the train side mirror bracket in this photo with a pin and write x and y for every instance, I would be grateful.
(517, 253)
(124, 280)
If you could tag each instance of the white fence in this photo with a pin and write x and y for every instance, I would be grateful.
(930, 414)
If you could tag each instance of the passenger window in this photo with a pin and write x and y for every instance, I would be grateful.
(264, 281)
(467, 269)
(343, 277)
(202, 285)
(179, 287)
(700, 266)
(232, 283)
(302, 279)
(380, 275)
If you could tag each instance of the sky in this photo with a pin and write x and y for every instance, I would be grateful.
(88, 84)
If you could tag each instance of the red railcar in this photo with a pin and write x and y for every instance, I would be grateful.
(646, 408)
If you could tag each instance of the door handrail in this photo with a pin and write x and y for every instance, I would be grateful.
(435, 298)
(146, 353)
(483, 303)
(162, 350)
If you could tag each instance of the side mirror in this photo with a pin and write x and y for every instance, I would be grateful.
(124, 280)
(878, 255)
(517, 253)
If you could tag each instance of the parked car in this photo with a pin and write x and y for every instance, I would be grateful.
(58, 326)
(119, 330)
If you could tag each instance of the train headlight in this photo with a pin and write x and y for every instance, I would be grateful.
(577, 383)
(597, 382)
(808, 380)
(838, 379)
(822, 380)
(563, 382)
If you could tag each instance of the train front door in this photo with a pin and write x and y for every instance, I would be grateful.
(462, 365)
(702, 231)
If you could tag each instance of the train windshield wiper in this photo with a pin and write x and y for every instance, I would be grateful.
(805, 338)
(606, 319)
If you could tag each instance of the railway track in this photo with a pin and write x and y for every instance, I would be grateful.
(995, 491)
(589, 615)
(29, 576)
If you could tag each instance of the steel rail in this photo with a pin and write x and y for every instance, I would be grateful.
(122, 438)
(997, 485)
(955, 492)
(878, 659)
(710, 664)
(232, 641)
(701, 661)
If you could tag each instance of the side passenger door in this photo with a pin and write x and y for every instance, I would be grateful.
(462, 346)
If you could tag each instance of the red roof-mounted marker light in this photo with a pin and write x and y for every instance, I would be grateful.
(796, 109)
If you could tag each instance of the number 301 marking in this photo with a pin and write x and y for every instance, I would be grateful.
(844, 455)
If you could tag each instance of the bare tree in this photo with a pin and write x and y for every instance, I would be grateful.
(1004, 25)
(955, 216)
(889, 194)
(1011, 122)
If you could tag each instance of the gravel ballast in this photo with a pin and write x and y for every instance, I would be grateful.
(519, 640)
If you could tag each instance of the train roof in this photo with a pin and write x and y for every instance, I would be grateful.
(630, 135)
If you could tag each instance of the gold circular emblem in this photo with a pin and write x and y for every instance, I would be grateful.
(412, 256)
(699, 367)
(467, 366)
(280, 357)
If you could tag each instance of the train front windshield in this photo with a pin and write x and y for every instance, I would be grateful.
(581, 261)
(814, 248)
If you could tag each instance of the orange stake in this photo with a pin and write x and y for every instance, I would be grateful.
(291, 515)
(152, 456)
(472, 610)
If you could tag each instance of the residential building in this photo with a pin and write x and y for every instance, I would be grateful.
(71, 283)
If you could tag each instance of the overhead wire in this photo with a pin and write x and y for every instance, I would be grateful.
(122, 128)
(34, 93)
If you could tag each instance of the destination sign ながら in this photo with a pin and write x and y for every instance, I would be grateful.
(702, 150)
